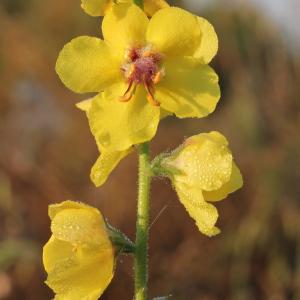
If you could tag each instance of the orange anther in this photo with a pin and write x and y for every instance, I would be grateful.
(150, 96)
(126, 97)
(147, 53)
(158, 77)
(152, 101)
(128, 93)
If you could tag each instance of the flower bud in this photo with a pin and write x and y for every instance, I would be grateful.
(202, 170)
(79, 256)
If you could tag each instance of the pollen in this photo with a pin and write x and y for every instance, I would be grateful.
(142, 66)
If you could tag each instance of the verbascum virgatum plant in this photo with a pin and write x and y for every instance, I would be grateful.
(142, 71)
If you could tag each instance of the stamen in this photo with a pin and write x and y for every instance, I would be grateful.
(128, 93)
(150, 96)
(142, 67)
(126, 97)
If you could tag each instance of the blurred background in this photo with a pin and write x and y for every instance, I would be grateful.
(46, 151)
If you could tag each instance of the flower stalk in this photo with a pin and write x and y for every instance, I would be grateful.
(139, 3)
(142, 224)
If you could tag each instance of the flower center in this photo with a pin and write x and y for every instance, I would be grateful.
(142, 67)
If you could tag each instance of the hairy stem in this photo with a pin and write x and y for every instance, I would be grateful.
(142, 224)
(139, 3)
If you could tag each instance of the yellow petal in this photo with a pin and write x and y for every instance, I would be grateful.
(152, 6)
(174, 32)
(125, 26)
(84, 105)
(213, 136)
(206, 164)
(80, 226)
(54, 209)
(119, 125)
(235, 182)
(87, 64)
(108, 160)
(96, 8)
(105, 164)
(77, 273)
(55, 250)
(208, 46)
(164, 113)
(203, 213)
(188, 89)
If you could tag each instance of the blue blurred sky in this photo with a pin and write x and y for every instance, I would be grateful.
(284, 12)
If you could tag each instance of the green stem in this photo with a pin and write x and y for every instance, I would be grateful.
(139, 3)
(142, 224)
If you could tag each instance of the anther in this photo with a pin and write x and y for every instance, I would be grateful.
(126, 97)
(158, 77)
(150, 96)
(147, 53)
(128, 93)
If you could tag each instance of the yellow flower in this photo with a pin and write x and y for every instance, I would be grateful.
(204, 172)
(144, 68)
(97, 8)
(79, 256)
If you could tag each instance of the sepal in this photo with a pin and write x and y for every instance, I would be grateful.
(121, 242)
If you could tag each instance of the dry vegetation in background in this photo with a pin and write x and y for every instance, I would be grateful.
(46, 152)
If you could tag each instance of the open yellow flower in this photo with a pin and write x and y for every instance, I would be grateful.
(97, 8)
(79, 256)
(204, 172)
(143, 68)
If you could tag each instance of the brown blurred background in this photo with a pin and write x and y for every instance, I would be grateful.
(46, 151)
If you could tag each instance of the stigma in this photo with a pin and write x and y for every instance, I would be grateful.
(142, 67)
